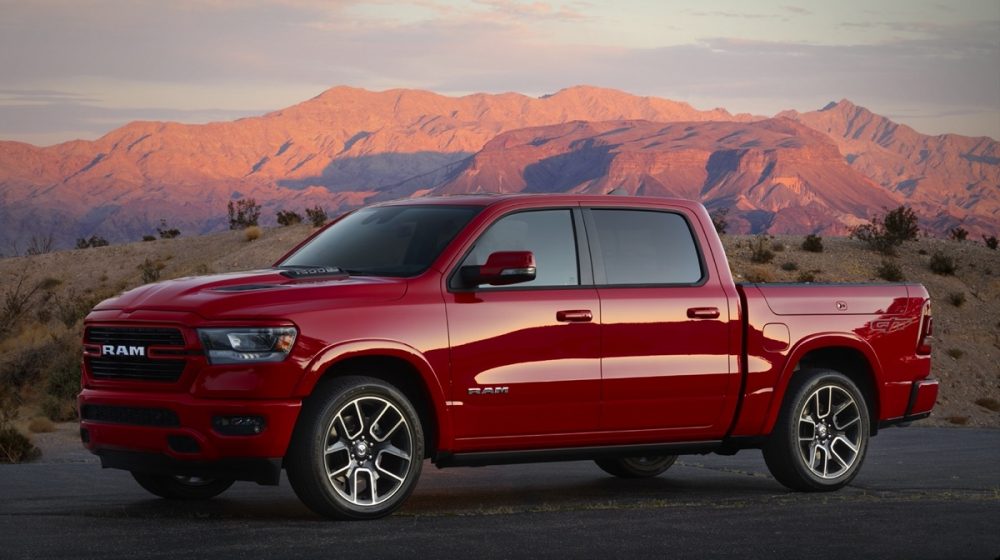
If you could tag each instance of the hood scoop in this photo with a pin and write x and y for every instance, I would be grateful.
(246, 287)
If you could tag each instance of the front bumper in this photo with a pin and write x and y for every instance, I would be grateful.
(172, 433)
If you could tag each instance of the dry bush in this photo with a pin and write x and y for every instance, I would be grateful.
(958, 420)
(955, 353)
(760, 250)
(151, 270)
(806, 276)
(989, 403)
(943, 264)
(890, 272)
(252, 233)
(956, 298)
(813, 244)
(317, 216)
(759, 275)
(41, 425)
(15, 447)
(789, 266)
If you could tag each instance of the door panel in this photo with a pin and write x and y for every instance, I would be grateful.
(526, 358)
(513, 340)
(665, 325)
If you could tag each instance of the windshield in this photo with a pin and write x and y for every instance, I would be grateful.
(385, 241)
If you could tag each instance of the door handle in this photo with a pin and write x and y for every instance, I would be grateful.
(703, 313)
(574, 316)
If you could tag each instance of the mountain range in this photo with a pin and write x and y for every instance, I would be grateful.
(820, 171)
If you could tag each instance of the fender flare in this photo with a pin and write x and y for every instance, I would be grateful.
(332, 355)
(816, 342)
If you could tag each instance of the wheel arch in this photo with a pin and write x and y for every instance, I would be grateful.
(395, 363)
(851, 356)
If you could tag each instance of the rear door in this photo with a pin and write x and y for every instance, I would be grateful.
(665, 325)
(525, 358)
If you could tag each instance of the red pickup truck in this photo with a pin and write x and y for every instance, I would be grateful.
(488, 330)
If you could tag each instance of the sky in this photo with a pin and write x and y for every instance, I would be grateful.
(80, 68)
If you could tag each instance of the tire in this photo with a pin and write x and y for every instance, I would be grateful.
(182, 487)
(357, 449)
(820, 439)
(637, 467)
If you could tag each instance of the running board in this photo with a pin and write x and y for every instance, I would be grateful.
(482, 458)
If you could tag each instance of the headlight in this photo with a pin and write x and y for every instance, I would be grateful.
(247, 345)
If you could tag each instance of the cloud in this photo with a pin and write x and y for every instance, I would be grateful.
(797, 10)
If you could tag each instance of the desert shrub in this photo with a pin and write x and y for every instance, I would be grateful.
(921, 251)
(758, 276)
(958, 420)
(149, 238)
(39, 245)
(958, 234)
(252, 233)
(956, 298)
(901, 224)
(956, 353)
(92, 241)
(17, 300)
(243, 213)
(890, 272)
(884, 233)
(719, 220)
(41, 425)
(317, 216)
(167, 232)
(989, 403)
(943, 264)
(289, 218)
(991, 242)
(789, 266)
(760, 251)
(777, 247)
(812, 243)
(151, 270)
(202, 269)
(73, 306)
(806, 276)
(15, 447)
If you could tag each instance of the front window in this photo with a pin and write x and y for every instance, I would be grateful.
(385, 240)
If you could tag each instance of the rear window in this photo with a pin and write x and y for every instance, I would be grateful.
(647, 247)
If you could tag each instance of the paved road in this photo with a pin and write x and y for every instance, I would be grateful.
(923, 493)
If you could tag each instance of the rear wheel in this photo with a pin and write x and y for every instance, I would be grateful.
(637, 467)
(821, 436)
(182, 487)
(357, 450)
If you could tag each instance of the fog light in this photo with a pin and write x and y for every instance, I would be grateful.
(238, 425)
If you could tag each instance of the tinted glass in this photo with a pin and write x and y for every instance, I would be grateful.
(642, 247)
(546, 233)
(385, 241)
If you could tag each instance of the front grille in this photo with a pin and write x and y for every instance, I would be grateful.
(152, 370)
(128, 355)
(130, 415)
(139, 336)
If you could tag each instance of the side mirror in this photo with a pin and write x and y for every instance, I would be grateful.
(501, 269)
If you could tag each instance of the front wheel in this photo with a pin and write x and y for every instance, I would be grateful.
(637, 467)
(821, 436)
(182, 487)
(357, 450)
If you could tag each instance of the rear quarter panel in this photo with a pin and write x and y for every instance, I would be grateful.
(786, 322)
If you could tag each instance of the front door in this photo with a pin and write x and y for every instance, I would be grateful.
(525, 358)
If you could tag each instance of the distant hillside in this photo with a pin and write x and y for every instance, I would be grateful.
(349, 146)
(774, 175)
(45, 342)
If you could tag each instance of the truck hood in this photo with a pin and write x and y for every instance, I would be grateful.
(257, 294)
